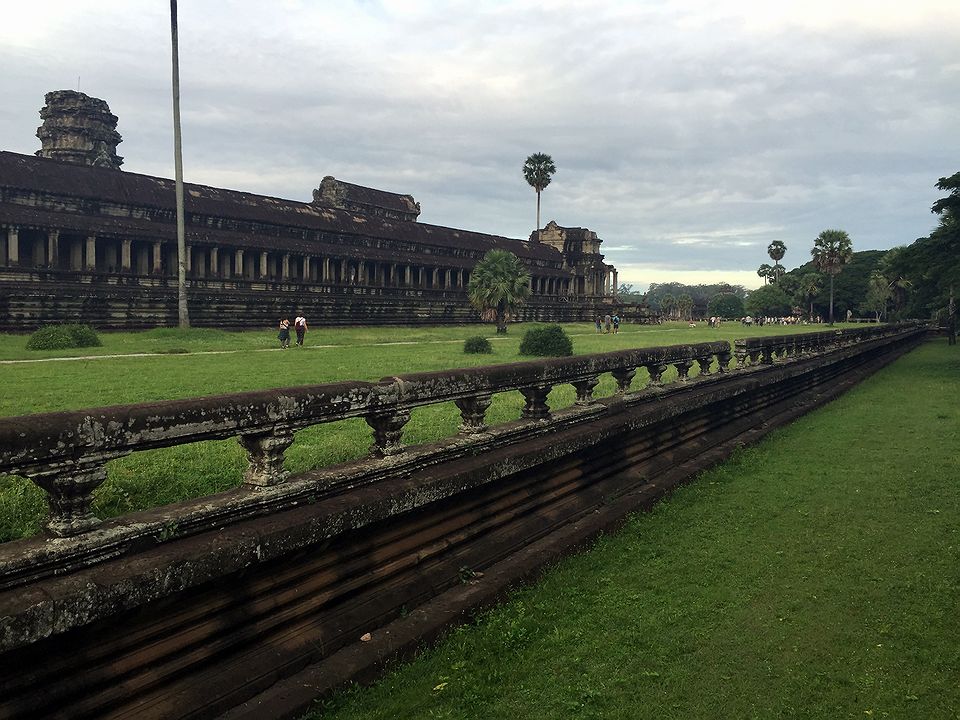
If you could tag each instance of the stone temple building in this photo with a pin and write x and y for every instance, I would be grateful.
(83, 241)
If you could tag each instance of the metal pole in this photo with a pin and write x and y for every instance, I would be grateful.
(183, 314)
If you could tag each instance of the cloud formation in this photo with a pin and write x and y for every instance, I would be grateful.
(687, 134)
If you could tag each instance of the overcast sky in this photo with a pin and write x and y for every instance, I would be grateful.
(687, 134)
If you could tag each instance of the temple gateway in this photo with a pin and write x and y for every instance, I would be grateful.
(83, 241)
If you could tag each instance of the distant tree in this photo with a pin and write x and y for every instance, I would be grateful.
(498, 284)
(537, 171)
(764, 272)
(770, 300)
(832, 249)
(726, 305)
(685, 306)
(808, 288)
(668, 303)
(776, 273)
(878, 295)
(776, 250)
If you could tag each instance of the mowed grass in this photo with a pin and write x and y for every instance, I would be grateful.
(814, 575)
(204, 362)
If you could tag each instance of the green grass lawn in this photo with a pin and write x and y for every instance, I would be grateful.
(814, 575)
(200, 362)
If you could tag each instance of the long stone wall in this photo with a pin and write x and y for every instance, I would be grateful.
(252, 602)
(30, 299)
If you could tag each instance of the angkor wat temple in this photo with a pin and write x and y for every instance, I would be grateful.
(83, 241)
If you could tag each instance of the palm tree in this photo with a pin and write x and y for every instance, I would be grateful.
(764, 271)
(776, 272)
(831, 251)
(182, 312)
(685, 306)
(667, 303)
(498, 284)
(776, 250)
(537, 171)
(809, 288)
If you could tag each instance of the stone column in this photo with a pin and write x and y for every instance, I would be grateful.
(447, 278)
(263, 265)
(285, 267)
(238, 263)
(13, 246)
(407, 275)
(91, 253)
(305, 270)
(188, 249)
(53, 248)
(394, 275)
(156, 264)
(214, 269)
(615, 285)
(344, 272)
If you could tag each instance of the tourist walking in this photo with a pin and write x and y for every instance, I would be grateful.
(300, 327)
(616, 323)
(606, 323)
(284, 335)
(599, 324)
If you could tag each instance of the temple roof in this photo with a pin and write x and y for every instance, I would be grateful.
(93, 183)
(336, 192)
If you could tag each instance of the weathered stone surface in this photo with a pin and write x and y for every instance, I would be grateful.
(79, 129)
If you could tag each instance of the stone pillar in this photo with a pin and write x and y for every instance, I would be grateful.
(263, 265)
(407, 275)
(53, 248)
(214, 269)
(285, 267)
(447, 278)
(394, 275)
(361, 272)
(156, 264)
(615, 285)
(13, 246)
(423, 276)
(344, 272)
(238, 263)
(305, 271)
(189, 258)
(91, 253)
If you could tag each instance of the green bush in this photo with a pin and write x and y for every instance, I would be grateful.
(60, 337)
(83, 336)
(477, 344)
(51, 337)
(549, 340)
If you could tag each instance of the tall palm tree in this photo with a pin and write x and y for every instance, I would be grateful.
(809, 287)
(537, 170)
(685, 306)
(667, 304)
(498, 284)
(764, 271)
(776, 250)
(183, 314)
(832, 249)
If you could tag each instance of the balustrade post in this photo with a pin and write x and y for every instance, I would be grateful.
(705, 362)
(623, 376)
(683, 369)
(473, 412)
(536, 407)
(70, 496)
(265, 457)
(387, 430)
(656, 371)
(723, 361)
(740, 352)
(584, 389)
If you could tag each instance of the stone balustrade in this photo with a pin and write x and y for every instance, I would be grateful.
(65, 452)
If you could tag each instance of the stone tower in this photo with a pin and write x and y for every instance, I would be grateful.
(79, 129)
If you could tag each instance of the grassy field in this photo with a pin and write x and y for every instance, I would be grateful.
(170, 363)
(815, 575)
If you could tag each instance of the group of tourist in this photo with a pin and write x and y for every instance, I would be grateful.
(761, 320)
(299, 327)
(603, 324)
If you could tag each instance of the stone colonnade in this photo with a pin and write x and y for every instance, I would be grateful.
(51, 248)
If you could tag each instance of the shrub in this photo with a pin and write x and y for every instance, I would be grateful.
(83, 336)
(60, 337)
(549, 340)
(51, 337)
(477, 344)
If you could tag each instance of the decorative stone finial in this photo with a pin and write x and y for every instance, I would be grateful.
(79, 129)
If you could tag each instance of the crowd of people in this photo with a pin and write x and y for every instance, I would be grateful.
(606, 322)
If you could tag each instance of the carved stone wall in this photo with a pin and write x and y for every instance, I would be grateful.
(79, 129)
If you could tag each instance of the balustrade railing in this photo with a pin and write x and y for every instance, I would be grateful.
(65, 452)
